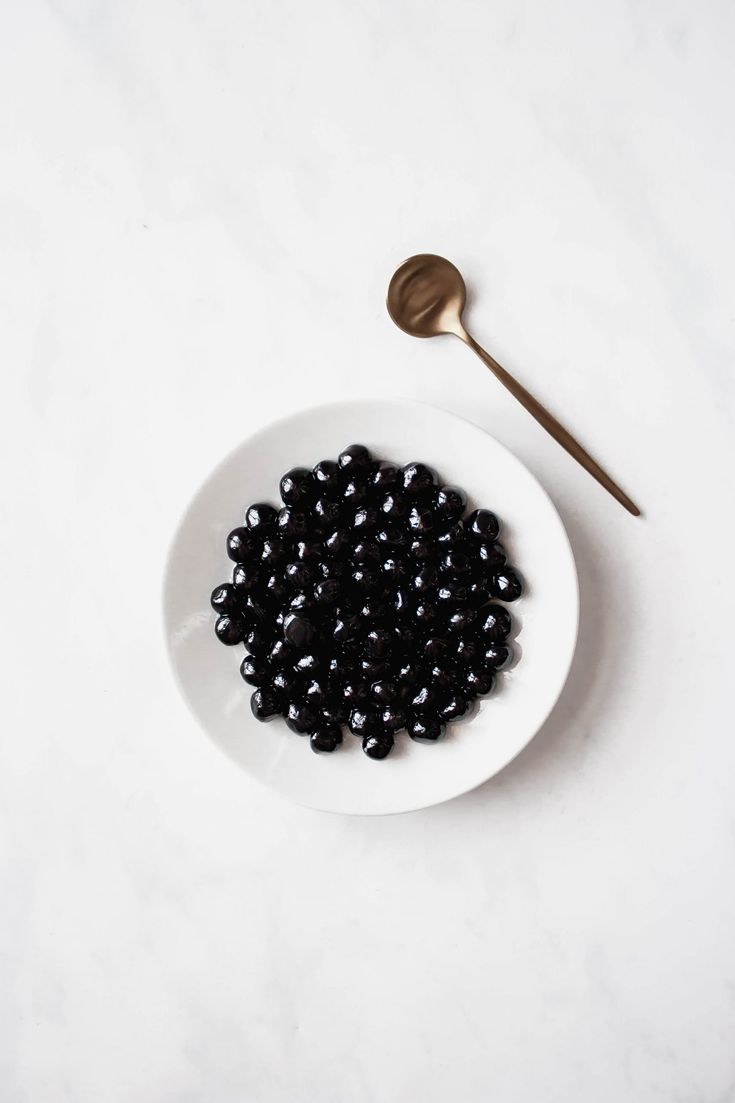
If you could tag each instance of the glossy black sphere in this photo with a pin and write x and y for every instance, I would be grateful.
(377, 643)
(284, 683)
(409, 675)
(327, 478)
(375, 609)
(254, 671)
(301, 602)
(462, 620)
(355, 460)
(245, 577)
(467, 651)
(292, 523)
(326, 513)
(298, 630)
(378, 746)
(393, 535)
(326, 738)
(265, 704)
(230, 630)
(453, 707)
(273, 553)
(332, 568)
(275, 589)
(363, 721)
(355, 690)
(384, 692)
(224, 598)
(425, 700)
(297, 486)
(366, 551)
(421, 521)
(242, 545)
(453, 537)
(392, 718)
(425, 729)
(299, 575)
(258, 641)
(366, 580)
(394, 505)
(309, 551)
(254, 609)
(495, 623)
(337, 543)
(354, 493)
(482, 525)
(384, 476)
(365, 520)
(435, 649)
(477, 595)
(315, 692)
(335, 710)
(496, 656)
(422, 549)
(280, 654)
(456, 564)
(395, 569)
(260, 518)
(327, 592)
(309, 663)
(506, 585)
(478, 683)
(417, 479)
(452, 592)
(450, 503)
(492, 555)
(301, 717)
(346, 628)
(442, 678)
(424, 614)
(375, 670)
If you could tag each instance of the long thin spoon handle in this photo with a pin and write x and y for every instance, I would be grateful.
(551, 425)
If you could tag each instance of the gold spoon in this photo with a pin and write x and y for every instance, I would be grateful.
(426, 297)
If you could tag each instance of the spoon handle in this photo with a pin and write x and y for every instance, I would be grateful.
(551, 425)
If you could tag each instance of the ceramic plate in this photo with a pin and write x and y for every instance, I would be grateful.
(414, 775)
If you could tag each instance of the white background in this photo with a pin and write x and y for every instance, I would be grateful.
(200, 207)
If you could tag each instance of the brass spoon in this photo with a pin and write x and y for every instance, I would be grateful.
(426, 297)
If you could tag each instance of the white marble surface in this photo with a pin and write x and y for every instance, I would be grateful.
(200, 205)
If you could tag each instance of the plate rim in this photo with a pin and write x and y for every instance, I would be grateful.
(322, 409)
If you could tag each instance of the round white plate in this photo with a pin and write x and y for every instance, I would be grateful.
(414, 775)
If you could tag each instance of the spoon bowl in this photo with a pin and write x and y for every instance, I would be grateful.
(426, 296)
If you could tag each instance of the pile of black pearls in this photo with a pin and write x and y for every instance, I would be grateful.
(368, 600)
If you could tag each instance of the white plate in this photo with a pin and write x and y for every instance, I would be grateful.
(414, 775)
